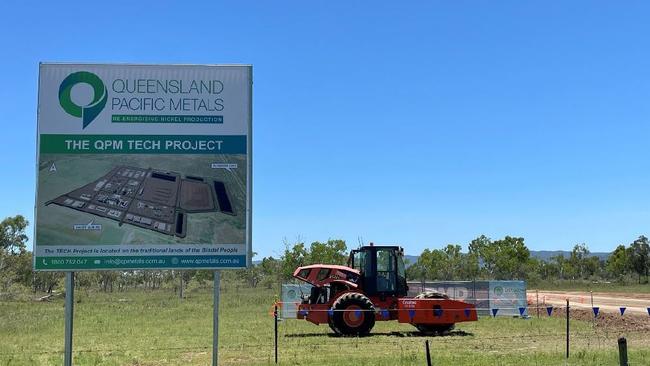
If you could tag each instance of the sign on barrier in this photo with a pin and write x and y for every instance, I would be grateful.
(507, 296)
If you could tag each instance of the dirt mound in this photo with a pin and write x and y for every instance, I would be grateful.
(608, 321)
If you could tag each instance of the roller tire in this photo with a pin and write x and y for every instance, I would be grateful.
(433, 329)
(330, 322)
(347, 323)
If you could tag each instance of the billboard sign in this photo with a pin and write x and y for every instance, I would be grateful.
(143, 167)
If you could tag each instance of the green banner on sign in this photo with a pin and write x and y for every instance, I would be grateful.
(142, 144)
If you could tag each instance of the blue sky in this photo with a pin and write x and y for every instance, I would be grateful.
(422, 124)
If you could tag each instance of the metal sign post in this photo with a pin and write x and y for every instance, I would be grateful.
(567, 328)
(69, 314)
(215, 317)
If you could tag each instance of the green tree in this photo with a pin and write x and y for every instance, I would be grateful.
(639, 256)
(22, 269)
(506, 258)
(106, 279)
(13, 244)
(579, 260)
(470, 269)
(12, 235)
(203, 276)
(594, 266)
(481, 252)
(535, 269)
(512, 257)
(330, 252)
(250, 276)
(270, 270)
(562, 266)
(416, 271)
(618, 263)
(47, 281)
(292, 258)
(451, 262)
(432, 263)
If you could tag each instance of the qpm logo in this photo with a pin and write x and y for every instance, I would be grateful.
(88, 112)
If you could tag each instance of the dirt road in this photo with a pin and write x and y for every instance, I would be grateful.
(607, 302)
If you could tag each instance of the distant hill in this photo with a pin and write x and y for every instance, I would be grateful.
(410, 259)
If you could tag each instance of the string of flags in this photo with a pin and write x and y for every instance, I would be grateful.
(439, 312)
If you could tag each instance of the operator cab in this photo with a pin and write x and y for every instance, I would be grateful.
(382, 270)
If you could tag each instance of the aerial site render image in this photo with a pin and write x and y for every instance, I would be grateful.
(143, 166)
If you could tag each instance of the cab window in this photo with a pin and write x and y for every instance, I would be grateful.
(386, 281)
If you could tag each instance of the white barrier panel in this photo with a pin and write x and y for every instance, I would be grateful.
(291, 297)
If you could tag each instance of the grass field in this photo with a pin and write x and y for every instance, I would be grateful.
(156, 328)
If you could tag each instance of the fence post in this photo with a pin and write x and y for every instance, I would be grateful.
(180, 292)
(622, 351)
(215, 317)
(593, 320)
(275, 316)
(567, 328)
(69, 317)
(537, 294)
(474, 290)
(426, 345)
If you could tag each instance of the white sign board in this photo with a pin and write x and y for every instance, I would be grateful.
(143, 167)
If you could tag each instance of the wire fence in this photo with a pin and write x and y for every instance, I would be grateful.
(536, 345)
(536, 338)
(440, 311)
(296, 343)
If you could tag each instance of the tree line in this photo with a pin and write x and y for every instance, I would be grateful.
(482, 259)
(510, 259)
